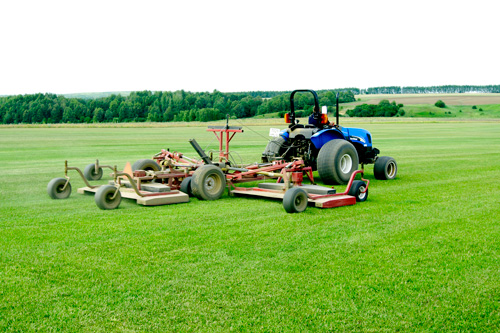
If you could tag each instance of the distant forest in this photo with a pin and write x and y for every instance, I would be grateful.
(184, 106)
(153, 106)
(429, 90)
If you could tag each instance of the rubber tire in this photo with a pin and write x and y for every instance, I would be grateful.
(186, 186)
(357, 187)
(208, 182)
(329, 158)
(103, 197)
(385, 168)
(54, 188)
(295, 200)
(274, 149)
(89, 172)
(146, 165)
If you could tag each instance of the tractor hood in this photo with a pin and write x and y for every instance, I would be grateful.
(355, 135)
(358, 135)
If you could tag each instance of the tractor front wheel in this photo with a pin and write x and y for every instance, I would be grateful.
(385, 168)
(208, 182)
(108, 197)
(58, 189)
(295, 200)
(337, 160)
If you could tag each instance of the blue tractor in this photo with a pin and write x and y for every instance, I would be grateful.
(335, 151)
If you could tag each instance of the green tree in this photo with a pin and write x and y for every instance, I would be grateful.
(98, 115)
(440, 104)
(69, 115)
(383, 109)
(108, 116)
(154, 112)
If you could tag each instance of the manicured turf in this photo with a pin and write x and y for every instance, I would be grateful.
(421, 254)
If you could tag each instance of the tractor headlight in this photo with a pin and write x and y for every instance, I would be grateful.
(357, 138)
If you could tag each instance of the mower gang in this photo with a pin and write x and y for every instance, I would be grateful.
(334, 151)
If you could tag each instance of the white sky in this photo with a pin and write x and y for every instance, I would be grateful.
(76, 46)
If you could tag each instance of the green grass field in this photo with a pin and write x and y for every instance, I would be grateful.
(421, 254)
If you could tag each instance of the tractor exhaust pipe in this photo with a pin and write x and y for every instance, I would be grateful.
(337, 108)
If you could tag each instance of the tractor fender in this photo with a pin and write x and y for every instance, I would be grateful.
(306, 133)
(326, 135)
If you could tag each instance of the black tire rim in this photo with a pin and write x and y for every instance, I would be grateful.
(60, 189)
(300, 202)
(110, 197)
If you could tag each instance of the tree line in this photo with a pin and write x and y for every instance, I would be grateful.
(447, 89)
(180, 105)
(153, 106)
(383, 109)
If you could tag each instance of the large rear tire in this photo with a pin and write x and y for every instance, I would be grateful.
(385, 168)
(208, 182)
(146, 165)
(337, 160)
(295, 200)
(274, 149)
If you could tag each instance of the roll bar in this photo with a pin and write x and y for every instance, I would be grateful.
(316, 110)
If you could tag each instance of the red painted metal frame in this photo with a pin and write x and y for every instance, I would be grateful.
(224, 152)
(174, 156)
(339, 202)
(176, 161)
(284, 169)
(347, 189)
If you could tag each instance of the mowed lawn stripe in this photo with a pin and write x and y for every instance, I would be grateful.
(421, 254)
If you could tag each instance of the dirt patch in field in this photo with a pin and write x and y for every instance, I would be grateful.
(450, 99)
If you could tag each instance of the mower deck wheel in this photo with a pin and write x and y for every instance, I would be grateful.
(357, 189)
(108, 197)
(90, 174)
(208, 182)
(186, 186)
(146, 165)
(295, 200)
(56, 189)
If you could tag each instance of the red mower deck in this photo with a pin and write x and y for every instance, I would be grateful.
(319, 196)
